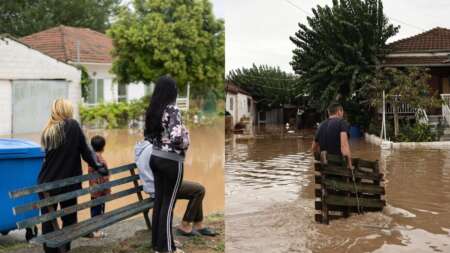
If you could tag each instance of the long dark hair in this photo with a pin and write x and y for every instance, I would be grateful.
(165, 93)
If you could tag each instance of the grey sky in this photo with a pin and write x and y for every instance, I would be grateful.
(257, 31)
(219, 8)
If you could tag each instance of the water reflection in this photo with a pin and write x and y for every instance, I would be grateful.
(275, 173)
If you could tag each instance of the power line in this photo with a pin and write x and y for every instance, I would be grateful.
(298, 7)
(395, 19)
(414, 26)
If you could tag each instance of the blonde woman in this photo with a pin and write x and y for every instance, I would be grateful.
(64, 144)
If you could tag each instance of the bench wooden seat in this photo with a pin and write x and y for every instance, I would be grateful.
(61, 236)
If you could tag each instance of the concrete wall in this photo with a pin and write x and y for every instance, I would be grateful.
(240, 106)
(18, 61)
(5, 107)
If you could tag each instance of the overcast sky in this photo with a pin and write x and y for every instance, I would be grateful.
(257, 31)
(219, 8)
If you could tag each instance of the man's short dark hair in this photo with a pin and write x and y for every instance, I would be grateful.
(333, 108)
(98, 143)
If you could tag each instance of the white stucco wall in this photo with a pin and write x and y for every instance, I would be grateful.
(5, 107)
(240, 106)
(135, 91)
(18, 61)
(111, 89)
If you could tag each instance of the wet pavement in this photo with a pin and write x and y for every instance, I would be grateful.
(270, 199)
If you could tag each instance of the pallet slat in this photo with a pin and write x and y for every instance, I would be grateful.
(343, 191)
(353, 201)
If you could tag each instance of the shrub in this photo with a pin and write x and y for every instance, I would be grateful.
(417, 133)
(113, 115)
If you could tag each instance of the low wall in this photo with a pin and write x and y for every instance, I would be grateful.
(371, 138)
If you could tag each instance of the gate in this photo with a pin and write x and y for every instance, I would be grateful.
(31, 103)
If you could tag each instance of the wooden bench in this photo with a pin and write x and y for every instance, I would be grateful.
(339, 191)
(61, 236)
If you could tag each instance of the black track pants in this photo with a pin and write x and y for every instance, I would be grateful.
(168, 176)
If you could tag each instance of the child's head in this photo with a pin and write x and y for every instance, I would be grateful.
(98, 143)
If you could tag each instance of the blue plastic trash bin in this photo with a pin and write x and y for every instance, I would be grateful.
(355, 132)
(20, 163)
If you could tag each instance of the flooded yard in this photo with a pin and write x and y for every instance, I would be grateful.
(203, 164)
(270, 200)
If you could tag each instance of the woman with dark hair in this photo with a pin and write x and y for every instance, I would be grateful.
(170, 139)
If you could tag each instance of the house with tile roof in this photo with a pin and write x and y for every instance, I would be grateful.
(29, 82)
(430, 49)
(239, 103)
(91, 49)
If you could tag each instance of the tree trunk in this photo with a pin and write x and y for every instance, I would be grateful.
(396, 123)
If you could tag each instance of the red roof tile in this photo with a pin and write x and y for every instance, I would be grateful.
(416, 61)
(61, 43)
(436, 39)
(232, 88)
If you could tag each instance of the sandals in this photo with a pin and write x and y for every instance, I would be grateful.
(207, 231)
(188, 234)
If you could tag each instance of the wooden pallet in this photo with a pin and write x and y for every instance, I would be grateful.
(339, 192)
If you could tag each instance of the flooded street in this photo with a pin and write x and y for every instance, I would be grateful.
(203, 164)
(270, 200)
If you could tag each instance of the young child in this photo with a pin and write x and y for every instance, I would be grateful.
(98, 144)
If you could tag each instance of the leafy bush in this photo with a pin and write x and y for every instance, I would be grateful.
(417, 133)
(114, 115)
(410, 131)
(124, 114)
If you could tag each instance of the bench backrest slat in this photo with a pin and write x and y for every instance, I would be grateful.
(66, 182)
(72, 209)
(72, 194)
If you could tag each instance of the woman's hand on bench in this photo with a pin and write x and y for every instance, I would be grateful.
(103, 170)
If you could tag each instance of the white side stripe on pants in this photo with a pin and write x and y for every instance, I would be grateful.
(172, 201)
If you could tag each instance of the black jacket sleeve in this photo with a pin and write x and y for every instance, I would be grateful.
(85, 150)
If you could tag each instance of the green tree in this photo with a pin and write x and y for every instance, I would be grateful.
(337, 52)
(177, 37)
(270, 86)
(402, 86)
(24, 17)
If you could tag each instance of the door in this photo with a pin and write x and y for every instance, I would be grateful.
(31, 103)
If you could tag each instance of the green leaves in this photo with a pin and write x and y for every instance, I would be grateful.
(114, 115)
(339, 48)
(269, 86)
(24, 17)
(177, 37)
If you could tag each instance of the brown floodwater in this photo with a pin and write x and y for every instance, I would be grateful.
(203, 164)
(270, 199)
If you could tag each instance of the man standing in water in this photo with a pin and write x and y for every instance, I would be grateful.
(332, 134)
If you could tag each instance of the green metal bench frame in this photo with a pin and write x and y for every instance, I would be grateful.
(61, 236)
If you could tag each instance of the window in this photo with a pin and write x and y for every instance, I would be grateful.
(249, 105)
(231, 104)
(96, 91)
(122, 93)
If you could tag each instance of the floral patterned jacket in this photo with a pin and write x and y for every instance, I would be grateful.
(175, 136)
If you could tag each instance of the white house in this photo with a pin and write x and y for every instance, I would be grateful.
(92, 50)
(239, 103)
(29, 81)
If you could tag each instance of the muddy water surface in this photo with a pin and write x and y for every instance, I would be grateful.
(203, 164)
(270, 200)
